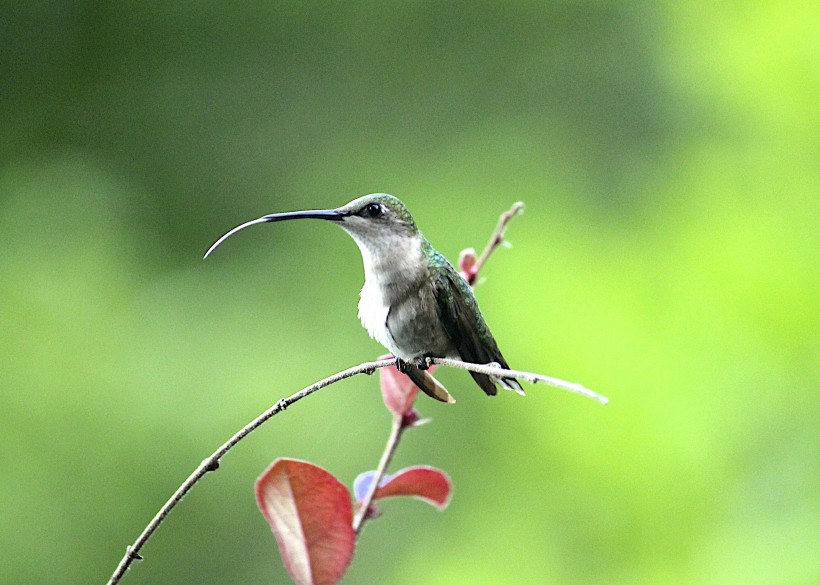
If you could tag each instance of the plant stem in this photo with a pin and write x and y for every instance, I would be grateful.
(498, 235)
(528, 376)
(389, 450)
(211, 463)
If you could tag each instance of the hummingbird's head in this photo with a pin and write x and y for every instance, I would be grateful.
(377, 219)
(376, 222)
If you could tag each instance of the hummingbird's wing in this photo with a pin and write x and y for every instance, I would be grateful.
(462, 320)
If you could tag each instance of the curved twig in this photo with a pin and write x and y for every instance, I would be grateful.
(498, 235)
(211, 463)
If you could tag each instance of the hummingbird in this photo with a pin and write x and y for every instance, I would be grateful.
(413, 301)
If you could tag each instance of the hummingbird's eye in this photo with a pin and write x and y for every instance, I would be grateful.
(374, 210)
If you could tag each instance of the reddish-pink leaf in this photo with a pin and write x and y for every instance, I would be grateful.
(398, 391)
(311, 515)
(428, 483)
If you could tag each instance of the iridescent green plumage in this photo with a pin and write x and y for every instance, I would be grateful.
(461, 318)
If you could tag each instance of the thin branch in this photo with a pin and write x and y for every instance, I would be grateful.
(496, 239)
(498, 235)
(528, 376)
(211, 463)
(389, 449)
(362, 514)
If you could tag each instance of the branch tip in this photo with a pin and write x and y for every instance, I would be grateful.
(497, 238)
(528, 376)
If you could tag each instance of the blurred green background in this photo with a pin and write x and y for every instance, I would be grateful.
(669, 257)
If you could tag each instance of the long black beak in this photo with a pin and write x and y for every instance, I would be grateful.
(329, 214)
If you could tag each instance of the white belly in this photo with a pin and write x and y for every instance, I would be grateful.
(391, 282)
(413, 330)
(373, 315)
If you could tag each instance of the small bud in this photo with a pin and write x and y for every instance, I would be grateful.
(372, 512)
(467, 264)
(409, 418)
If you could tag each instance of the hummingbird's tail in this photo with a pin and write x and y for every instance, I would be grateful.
(487, 383)
(512, 384)
(428, 384)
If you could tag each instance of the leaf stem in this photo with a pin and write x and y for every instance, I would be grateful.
(389, 450)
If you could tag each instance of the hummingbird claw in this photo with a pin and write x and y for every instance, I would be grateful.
(402, 365)
(423, 362)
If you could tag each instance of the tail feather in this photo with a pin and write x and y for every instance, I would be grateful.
(508, 383)
(486, 383)
(512, 384)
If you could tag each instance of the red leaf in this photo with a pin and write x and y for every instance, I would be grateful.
(427, 483)
(398, 391)
(311, 516)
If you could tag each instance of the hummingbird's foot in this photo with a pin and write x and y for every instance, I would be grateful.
(423, 362)
(402, 365)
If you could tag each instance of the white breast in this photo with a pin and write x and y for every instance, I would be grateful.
(392, 269)
(373, 313)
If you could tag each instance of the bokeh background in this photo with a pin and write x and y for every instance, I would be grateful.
(669, 157)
